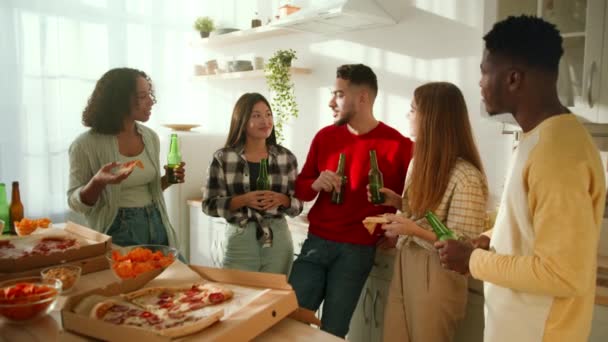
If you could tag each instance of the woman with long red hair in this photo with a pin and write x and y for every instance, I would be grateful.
(426, 301)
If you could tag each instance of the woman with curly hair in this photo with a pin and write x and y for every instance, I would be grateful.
(123, 202)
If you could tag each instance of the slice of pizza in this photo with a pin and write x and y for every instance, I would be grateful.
(130, 166)
(159, 322)
(371, 222)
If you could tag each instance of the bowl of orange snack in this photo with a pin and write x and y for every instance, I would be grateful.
(25, 299)
(27, 226)
(129, 262)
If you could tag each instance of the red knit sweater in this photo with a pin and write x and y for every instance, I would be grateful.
(342, 222)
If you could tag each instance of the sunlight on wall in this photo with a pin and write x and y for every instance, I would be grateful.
(469, 12)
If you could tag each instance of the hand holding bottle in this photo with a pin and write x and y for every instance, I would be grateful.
(391, 198)
(252, 199)
(327, 181)
(177, 173)
(273, 200)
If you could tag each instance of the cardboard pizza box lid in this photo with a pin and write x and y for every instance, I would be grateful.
(275, 303)
(88, 265)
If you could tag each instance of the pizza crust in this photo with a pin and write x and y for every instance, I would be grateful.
(371, 222)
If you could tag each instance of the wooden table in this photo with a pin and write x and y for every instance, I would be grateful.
(49, 328)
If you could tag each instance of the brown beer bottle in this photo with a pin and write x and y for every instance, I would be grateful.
(337, 197)
(16, 208)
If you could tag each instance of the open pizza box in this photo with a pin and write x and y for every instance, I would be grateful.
(92, 245)
(87, 265)
(260, 301)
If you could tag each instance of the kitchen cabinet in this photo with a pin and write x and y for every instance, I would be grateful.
(582, 83)
(367, 322)
(206, 237)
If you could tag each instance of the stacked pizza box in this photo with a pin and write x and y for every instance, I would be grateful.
(73, 244)
(184, 303)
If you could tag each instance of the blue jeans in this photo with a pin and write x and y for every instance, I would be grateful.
(138, 226)
(332, 272)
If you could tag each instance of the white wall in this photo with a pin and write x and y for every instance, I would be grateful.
(434, 41)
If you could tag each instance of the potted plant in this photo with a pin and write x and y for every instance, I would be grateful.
(204, 25)
(281, 87)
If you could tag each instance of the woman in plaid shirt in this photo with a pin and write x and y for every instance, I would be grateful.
(258, 238)
(426, 301)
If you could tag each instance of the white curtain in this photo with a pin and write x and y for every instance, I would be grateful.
(51, 54)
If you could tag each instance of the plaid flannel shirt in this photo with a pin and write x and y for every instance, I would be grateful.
(462, 207)
(228, 176)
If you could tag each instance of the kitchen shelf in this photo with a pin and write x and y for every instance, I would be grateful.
(243, 36)
(249, 74)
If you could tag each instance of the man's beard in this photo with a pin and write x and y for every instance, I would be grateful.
(344, 119)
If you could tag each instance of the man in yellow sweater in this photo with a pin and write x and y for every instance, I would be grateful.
(538, 263)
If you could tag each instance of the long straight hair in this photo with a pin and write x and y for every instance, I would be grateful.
(240, 117)
(444, 134)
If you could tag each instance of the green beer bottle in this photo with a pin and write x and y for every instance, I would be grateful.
(443, 233)
(174, 159)
(337, 197)
(375, 179)
(4, 210)
(263, 181)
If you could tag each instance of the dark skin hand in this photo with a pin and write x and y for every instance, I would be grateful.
(455, 255)
(180, 173)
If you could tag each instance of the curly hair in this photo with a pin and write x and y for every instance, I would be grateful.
(110, 102)
(359, 74)
(526, 39)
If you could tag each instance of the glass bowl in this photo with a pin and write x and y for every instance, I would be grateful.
(26, 299)
(68, 274)
(131, 261)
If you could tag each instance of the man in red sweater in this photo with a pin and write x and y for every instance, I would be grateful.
(338, 254)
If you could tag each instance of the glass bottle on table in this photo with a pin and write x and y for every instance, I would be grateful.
(4, 210)
(174, 159)
(337, 195)
(16, 207)
(263, 181)
(376, 181)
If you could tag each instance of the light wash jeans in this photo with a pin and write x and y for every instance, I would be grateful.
(138, 226)
(245, 252)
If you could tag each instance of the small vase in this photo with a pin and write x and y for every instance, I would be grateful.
(204, 34)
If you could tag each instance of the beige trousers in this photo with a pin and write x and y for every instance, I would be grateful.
(425, 301)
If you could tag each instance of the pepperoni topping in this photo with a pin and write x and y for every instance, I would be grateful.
(165, 295)
(196, 306)
(216, 297)
(145, 314)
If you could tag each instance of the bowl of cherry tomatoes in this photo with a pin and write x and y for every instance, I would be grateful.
(26, 299)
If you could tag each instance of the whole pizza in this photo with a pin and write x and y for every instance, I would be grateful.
(14, 249)
(167, 311)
